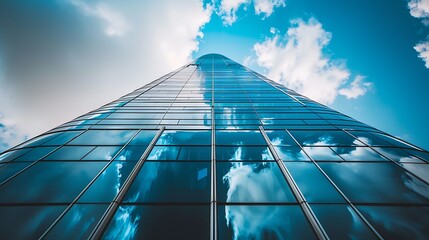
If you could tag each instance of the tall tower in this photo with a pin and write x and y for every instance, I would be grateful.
(214, 150)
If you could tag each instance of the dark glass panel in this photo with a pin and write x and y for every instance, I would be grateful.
(322, 154)
(375, 182)
(9, 156)
(39, 140)
(398, 155)
(108, 184)
(69, 153)
(63, 138)
(27, 222)
(35, 154)
(263, 222)
(102, 153)
(342, 222)
(312, 183)
(160, 222)
(49, 182)
(131, 153)
(358, 154)
(164, 153)
(398, 222)
(171, 182)
(78, 222)
(9, 169)
(194, 153)
(252, 182)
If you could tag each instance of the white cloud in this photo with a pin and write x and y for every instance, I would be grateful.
(297, 61)
(356, 89)
(75, 69)
(116, 23)
(10, 135)
(423, 50)
(419, 8)
(227, 9)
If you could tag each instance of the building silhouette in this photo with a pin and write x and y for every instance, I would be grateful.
(214, 150)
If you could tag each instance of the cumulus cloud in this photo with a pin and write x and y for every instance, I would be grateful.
(297, 61)
(227, 9)
(70, 57)
(356, 89)
(10, 135)
(419, 8)
(423, 50)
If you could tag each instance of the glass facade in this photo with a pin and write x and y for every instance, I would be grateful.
(214, 150)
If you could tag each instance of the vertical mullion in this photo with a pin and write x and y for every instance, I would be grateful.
(213, 198)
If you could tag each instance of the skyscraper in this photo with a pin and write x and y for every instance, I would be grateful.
(214, 150)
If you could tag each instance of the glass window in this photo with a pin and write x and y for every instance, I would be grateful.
(131, 153)
(10, 169)
(312, 183)
(375, 182)
(243, 153)
(239, 138)
(322, 154)
(398, 222)
(164, 153)
(108, 184)
(63, 138)
(35, 154)
(102, 153)
(291, 153)
(324, 138)
(341, 222)
(280, 138)
(194, 153)
(39, 140)
(185, 138)
(420, 170)
(398, 155)
(143, 138)
(69, 153)
(263, 222)
(252, 182)
(27, 222)
(359, 154)
(9, 156)
(103, 137)
(36, 183)
(78, 222)
(143, 222)
(171, 182)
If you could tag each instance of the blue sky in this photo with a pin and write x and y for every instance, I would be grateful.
(61, 58)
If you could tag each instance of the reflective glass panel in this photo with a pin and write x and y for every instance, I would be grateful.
(103, 137)
(78, 222)
(322, 154)
(131, 153)
(375, 182)
(239, 138)
(171, 182)
(324, 138)
(8, 170)
(243, 153)
(69, 153)
(177, 222)
(291, 153)
(185, 138)
(102, 153)
(263, 222)
(281, 138)
(252, 182)
(47, 181)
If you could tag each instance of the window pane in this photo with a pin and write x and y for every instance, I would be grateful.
(108, 184)
(35, 154)
(398, 222)
(131, 153)
(359, 154)
(375, 182)
(63, 138)
(171, 182)
(263, 222)
(312, 183)
(102, 153)
(322, 154)
(324, 138)
(185, 138)
(27, 222)
(143, 138)
(103, 137)
(252, 182)
(78, 222)
(291, 153)
(69, 153)
(281, 137)
(243, 153)
(143, 222)
(10, 169)
(36, 184)
(239, 138)
(341, 222)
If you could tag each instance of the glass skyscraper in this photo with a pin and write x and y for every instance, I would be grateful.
(214, 150)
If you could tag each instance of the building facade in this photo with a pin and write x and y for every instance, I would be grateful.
(214, 150)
